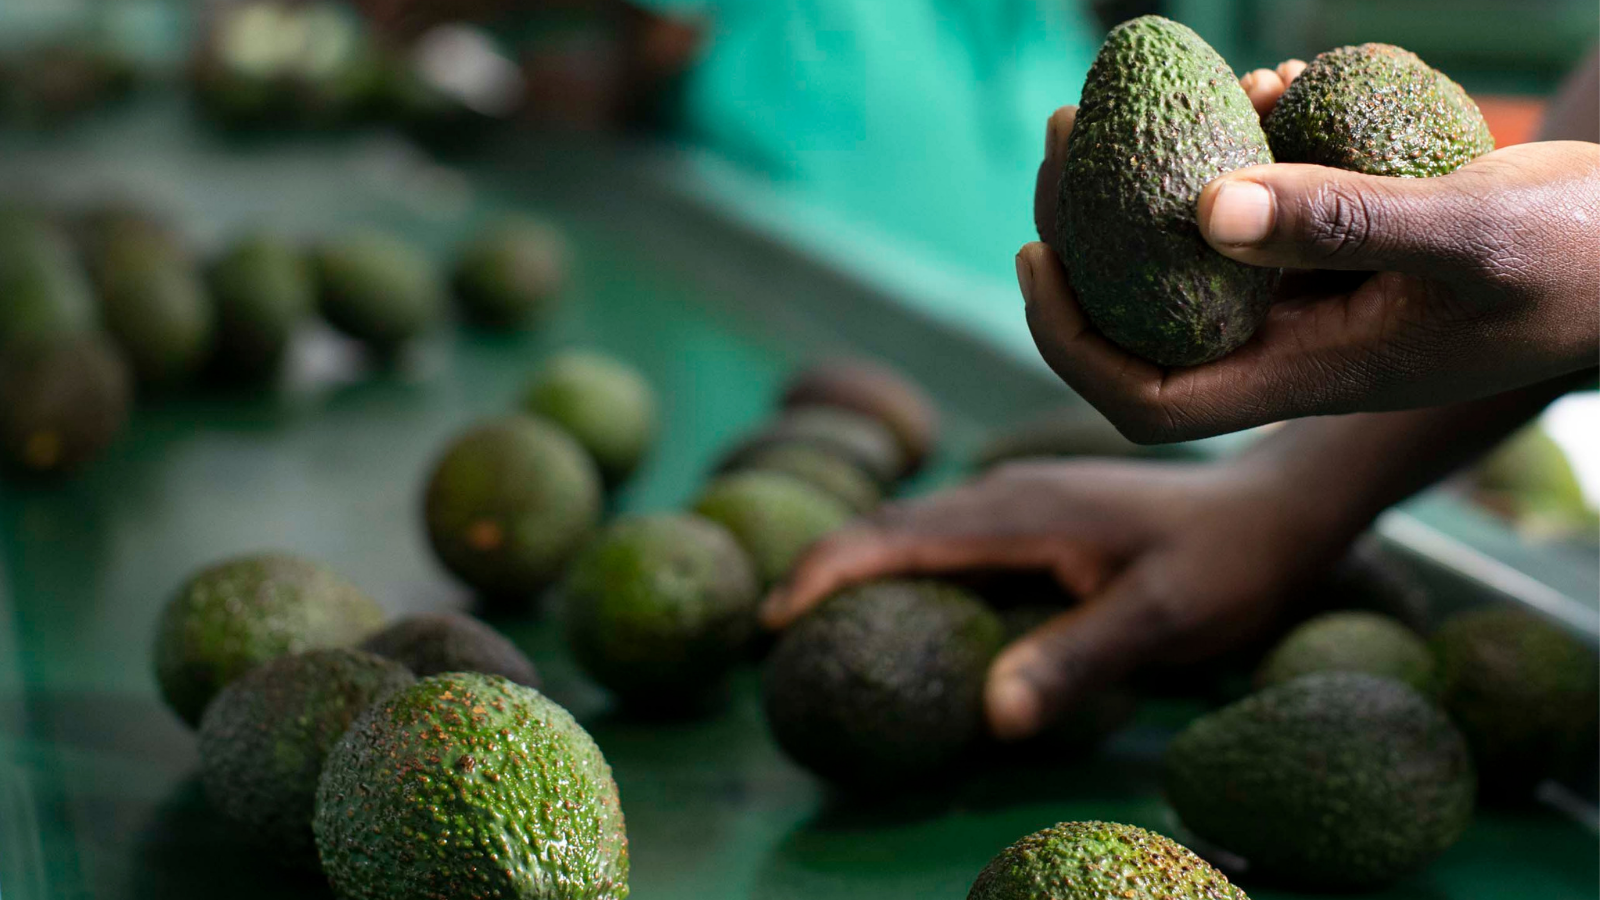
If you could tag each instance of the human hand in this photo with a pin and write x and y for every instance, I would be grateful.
(1402, 292)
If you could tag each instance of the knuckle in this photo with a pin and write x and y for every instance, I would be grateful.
(1342, 221)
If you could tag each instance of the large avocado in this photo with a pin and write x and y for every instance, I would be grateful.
(62, 400)
(262, 288)
(1100, 861)
(604, 403)
(775, 517)
(1161, 116)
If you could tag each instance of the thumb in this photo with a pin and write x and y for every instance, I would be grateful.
(1314, 217)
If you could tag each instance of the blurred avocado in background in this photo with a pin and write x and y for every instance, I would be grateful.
(1530, 481)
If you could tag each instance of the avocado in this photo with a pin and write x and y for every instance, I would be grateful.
(1524, 692)
(1378, 109)
(883, 683)
(45, 284)
(153, 300)
(1529, 480)
(661, 607)
(1338, 781)
(606, 404)
(1098, 861)
(1161, 115)
(822, 469)
(509, 504)
(774, 517)
(876, 390)
(62, 400)
(378, 289)
(1373, 578)
(265, 736)
(262, 289)
(436, 643)
(1066, 433)
(1351, 641)
(467, 785)
(861, 439)
(512, 274)
(235, 615)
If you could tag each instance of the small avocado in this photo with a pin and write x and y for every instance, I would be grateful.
(235, 615)
(1351, 641)
(1338, 781)
(62, 400)
(822, 469)
(512, 274)
(436, 643)
(378, 289)
(774, 517)
(509, 504)
(883, 683)
(1099, 861)
(263, 291)
(1525, 693)
(43, 280)
(1378, 109)
(1161, 115)
(661, 607)
(466, 785)
(863, 440)
(872, 389)
(265, 736)
(603, 402)
(153, 300)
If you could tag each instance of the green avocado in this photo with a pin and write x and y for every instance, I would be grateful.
(465, 786)
(1529, 480)
(512, 274)
(661, 607)
(1338, 781)
(378, 289)
(775, 517)
(153, 300)
(857, 437)
(436, 643)
(603, 402)
(510, 503)
(1378, 109)
(265, 736)
(45, 284)
(263, 291)
(235, 615)
(882, 684)
(1352, 641)
(1525, 693)
(62, 400)
(872, 389)
(1099, 861)
(1161, 115)
(820, 468)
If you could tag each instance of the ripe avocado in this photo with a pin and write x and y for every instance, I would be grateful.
(466, 785)
(236, 615)
(883, 683)
(62, 400)
(774, 517)
(822, 469)
(154, 302)
(859, 438)
(1338, 781)
(1378, 109)
(509, 504)
(875, 390)
(1351, 642)
(604, 403)
(1161, 116)
(1524, 692)
(378, 289)
(1099, 860)
(263, 290)
(512, 274)
(661, 607)
(45, 284)
(263, 740)
(436, 643)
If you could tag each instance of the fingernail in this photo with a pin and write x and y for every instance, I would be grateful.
(1241, 214)
(1025, 278)
(1014, 708)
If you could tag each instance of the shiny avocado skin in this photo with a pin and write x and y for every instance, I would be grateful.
(1096, 860)
(1161, 116)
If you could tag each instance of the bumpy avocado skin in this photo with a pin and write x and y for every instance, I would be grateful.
(1161, 116)
(1351, 641)
(509, 505)
(1334, 781)
(153, 300)
(378, 289)
(883, 683)
(823, 469)
(263, 290)
(661, 607)
(774, 517)
(606, 404)
(436, 643)
(45, 285)
(1378, 109)
(1097, 860)
(1524, 692)
(264, 738)
(512, 274)
(62, 400)
(233, 616)
(467, 786)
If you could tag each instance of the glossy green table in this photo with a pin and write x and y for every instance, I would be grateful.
(97, 791)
